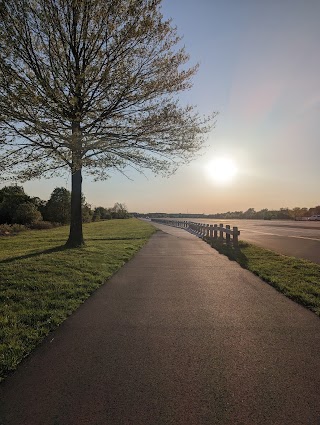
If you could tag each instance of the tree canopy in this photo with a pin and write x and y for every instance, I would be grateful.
(27, 213)
(92, 84)
(16, 207)
(57, 208)
(11, 197)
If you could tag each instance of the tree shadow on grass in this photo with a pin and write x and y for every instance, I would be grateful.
(233, 253)
(35, 254)
(114, 239)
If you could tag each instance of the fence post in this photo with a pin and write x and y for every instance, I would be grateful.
(204, 230)
(228, 234)
(235, 236)
(211, 231)
(221, 231)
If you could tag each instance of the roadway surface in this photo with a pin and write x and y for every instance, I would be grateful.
(299, 239)
(294, 238)
(180, 335)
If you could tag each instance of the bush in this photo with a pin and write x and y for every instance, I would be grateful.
(11, 229)
(27, 213)
(101, 213)
(5, 229)
(17, 228)
(87, 213)
(43, 225)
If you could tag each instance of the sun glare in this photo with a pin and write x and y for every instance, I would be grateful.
(221, 170)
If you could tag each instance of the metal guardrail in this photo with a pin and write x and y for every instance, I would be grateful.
(205, 231)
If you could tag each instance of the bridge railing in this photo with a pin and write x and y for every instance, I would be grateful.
(205, 231)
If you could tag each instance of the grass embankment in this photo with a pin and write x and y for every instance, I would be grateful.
(41, 282)
(297, 279)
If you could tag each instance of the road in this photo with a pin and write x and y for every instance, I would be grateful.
(294, 238)
(299, 239)
(179, 336)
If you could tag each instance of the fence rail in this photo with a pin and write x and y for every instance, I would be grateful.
(205, 231)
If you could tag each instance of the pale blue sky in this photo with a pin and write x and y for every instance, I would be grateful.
(260, 68)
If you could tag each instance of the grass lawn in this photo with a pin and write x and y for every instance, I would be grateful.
(297, 279)
(41, 282)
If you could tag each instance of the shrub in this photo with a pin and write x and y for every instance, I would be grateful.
(43, 225)
(5, 229)
(27, 213)
(11, 229)
(17, 228)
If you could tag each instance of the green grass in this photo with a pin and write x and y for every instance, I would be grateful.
(297, 279)
(41, 282)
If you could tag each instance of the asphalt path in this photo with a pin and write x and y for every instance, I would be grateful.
(299, 239)
(180, 335)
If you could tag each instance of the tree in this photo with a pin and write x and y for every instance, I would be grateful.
(315, 210)
(91, 85)
(296, 213)
(119, 211)
(87, 213)
(250, 213)
(27, 213)
(101, 213)
(40, 204)
(10, 199)
(58, 207)
(284, 213)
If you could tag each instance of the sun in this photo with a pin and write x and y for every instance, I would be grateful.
(221, 170)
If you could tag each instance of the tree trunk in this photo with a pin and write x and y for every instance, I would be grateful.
(76, 235)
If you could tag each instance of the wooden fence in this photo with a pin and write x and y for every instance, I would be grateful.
(205, 231)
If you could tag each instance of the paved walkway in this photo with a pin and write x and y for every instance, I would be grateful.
(180, 335)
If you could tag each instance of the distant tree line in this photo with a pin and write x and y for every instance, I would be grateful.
(296, 213)
(16, 207)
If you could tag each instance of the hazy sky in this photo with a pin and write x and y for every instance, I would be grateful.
(260, 68)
